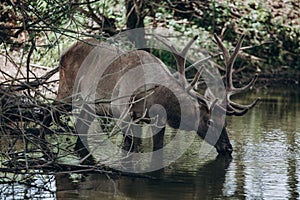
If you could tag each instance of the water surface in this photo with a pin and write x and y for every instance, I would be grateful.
(264, 165)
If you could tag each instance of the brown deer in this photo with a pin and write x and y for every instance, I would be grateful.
(184, 108)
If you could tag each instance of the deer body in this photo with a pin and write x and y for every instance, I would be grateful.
(76, 58)
(71, 62)
(89, 60)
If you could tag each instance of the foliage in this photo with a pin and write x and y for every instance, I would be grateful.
(51, 22)
(271, 28)
(258, 22)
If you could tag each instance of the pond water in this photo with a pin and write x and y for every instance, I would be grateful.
(264, 165)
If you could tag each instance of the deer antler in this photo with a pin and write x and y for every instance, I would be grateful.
(180, 58)
(232, 107)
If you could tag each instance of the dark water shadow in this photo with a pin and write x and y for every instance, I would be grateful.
(207, 181)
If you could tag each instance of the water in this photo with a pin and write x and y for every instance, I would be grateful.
(264, 165)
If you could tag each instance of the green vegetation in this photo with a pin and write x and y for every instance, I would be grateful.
(44, 28)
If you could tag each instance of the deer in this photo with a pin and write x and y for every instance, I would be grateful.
(176, 96)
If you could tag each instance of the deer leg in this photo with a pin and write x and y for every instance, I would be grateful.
(51, 116)
(158, 138)
(131, 143)
(82, 125)
(158, 143)
(47, 153)
(132, 138)
(128, 143)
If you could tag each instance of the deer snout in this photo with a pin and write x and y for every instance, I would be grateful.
(224, 148)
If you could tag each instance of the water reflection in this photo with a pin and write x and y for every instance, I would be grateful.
(208, 181)
(27, 186)
(266, 160)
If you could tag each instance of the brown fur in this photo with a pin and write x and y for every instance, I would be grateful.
(84, 60)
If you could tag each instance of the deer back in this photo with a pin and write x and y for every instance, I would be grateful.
(100, 71)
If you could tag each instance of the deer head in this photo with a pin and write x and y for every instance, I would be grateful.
(212, 124)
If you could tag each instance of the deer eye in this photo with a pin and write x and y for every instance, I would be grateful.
(210, 122)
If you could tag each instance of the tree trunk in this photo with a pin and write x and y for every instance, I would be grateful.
(135, 20)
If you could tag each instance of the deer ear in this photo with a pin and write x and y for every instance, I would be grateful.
(212, 99)
(205, 104)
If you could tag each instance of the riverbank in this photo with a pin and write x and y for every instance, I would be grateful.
(279, 78)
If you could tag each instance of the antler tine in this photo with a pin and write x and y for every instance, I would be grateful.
(229, 60)
(222, 47)
(236, 51)
(243, 107)
(231, 111)
(212, 106)
(180, 57)
(196, 79)
(179, 60)
(238, 109)
(188, 46)
(246, 87)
